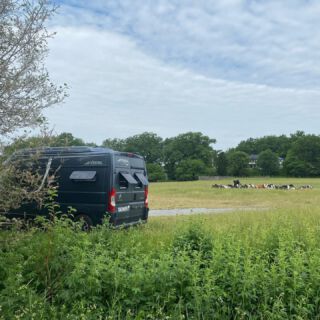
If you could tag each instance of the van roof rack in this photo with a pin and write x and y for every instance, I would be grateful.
(46, 151)
(65, 150)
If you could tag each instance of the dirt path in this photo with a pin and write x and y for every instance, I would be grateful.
(173, 212)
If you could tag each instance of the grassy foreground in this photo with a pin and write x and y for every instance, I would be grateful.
(244, 265)
(199, 194)
(241, 265)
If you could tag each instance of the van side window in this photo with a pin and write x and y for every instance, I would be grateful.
(123, 183)
(83, 176)
(139, 185)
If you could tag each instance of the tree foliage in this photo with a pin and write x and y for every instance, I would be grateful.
(268, 163)
(169, 158)
(115, 144)
(221, 163)
(303, 159)
(277, 144)
(190, 145)
(238, 163)
(147, 144)
(21, 182)
(190, 169)
(170, 152)
(155, 172)
(25, 86)
(45, 139)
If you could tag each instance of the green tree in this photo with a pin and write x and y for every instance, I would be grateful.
(155, 172)
(147, 144)
(304, 157)
(238, 163)
(268, 163)
(190, 145)
(190, 169)
(115, 144)
(293, 166)
(64, 139)
(277, 144)
(221, 164)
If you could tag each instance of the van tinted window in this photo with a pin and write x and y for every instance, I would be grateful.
(83, 175)
(129, 178)
(141, 178)
(126, 162)
(122, 162)
(123, 182)
(137, 163)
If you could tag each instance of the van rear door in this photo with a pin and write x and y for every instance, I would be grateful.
(131, 186)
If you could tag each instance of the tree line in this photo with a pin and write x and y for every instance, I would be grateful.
(296, 155)
(190, 155)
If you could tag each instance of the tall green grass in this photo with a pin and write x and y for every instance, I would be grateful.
(244, 265)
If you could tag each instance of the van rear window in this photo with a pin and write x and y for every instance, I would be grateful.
(141, 178)
(83, 175)
(137, 163)
(126, 162)
(122, 162)
(129, 178)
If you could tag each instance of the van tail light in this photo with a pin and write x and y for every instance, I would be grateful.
(146, 200)
(112, 201)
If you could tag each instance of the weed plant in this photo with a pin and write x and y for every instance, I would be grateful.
(244, 265)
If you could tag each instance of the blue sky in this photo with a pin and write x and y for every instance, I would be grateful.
(231, 69)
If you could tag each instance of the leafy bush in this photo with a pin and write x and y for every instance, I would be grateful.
(20, 182)
(246, 266)
(190, 169)
(194, 241)
(155, 172)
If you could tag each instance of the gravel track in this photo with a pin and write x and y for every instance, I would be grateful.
(188, 211)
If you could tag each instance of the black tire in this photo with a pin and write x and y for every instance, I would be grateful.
(86, 222)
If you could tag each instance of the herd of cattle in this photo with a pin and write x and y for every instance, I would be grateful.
(237, 185)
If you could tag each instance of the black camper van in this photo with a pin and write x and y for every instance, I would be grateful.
(96, 182)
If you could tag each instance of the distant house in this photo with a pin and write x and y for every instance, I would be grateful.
(253, 159)
(281, 162)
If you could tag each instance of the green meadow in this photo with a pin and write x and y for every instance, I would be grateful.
(200, 194)
(240, 265)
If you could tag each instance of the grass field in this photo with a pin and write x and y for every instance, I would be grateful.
(240, 265)
(199, 194)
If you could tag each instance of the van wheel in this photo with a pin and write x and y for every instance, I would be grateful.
(86, 222)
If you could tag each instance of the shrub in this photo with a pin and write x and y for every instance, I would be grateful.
(190, 169)
(194, 240)
(246, 266)
(155, 172)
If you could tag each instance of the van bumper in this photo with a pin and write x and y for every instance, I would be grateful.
(116, 219)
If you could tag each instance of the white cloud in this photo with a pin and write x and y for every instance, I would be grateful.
(265, 42)
(118, 90)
